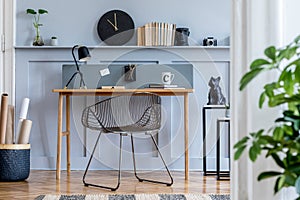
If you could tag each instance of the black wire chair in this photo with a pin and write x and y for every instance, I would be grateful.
(123, 115)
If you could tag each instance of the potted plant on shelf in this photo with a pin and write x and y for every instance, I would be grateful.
(54, 41)
(282, 141)
(38, 41)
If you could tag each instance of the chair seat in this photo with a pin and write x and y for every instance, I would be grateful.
(134, 128)
(128, 129)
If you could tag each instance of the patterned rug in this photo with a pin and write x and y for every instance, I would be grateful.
(136, 197)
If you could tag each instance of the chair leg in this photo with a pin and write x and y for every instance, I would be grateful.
(119, 172)
(134, 165)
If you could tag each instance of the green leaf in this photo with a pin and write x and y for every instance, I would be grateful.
(288, 52)
(253, 153)
(30, 11)
(278, 160)
(295, 168)
(270, 52)
(288, 130)
(259, 133)
(288, 83)
(269, 89)
(297, 185)
(281, 182)
(276, 185)
(278, 134)
(239, 152)
(42, 11)
(269, 139)
(258, 62)
(297, 74)
(241, 142)
(257, 147)
(296, 40)
(282, 75)
(252, 135)
(268, 174)
(291, 52)
(249, 76)
(293, 99)
(276, 100)
(262, 141)
(290, 179)
(262, 99)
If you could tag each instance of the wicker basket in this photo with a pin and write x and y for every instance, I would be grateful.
(14, 162)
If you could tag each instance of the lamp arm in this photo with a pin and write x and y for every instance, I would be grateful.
(71, 79)
(77, 67)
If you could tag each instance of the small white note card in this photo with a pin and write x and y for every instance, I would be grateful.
(104, 72)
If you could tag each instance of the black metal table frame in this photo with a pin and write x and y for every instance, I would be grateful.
(208, 107)
(223, 173)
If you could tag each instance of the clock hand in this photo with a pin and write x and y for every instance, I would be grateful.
(116, 28)
(115, 18)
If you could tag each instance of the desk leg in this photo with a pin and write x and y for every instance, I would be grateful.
(204, 140)
(59, 135)
(218, 149)
(186, 134)
(68, 133)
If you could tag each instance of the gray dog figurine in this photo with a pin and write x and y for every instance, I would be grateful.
(215, 96)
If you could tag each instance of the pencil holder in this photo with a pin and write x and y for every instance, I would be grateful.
(14, 162)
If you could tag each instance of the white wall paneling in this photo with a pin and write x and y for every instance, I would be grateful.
(38, 71)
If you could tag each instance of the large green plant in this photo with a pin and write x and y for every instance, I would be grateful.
(282, 141)
(36, 24)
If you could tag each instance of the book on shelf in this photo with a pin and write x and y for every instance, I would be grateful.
(156, 34)
(141, 36)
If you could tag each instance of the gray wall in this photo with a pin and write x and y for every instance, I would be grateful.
(75, 21)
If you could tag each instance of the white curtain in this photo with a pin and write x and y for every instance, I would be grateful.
(7, 54)
(1, 45)
(256, 24)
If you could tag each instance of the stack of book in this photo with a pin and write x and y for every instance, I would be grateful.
(156, 34)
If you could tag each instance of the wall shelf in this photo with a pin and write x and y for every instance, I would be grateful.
(125, 47)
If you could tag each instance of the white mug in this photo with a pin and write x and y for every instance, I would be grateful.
(167, 78)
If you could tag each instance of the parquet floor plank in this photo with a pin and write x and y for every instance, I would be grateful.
(44, 182)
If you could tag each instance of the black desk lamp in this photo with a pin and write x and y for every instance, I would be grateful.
(83, 55)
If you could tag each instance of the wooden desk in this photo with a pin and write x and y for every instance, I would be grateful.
(111, 92)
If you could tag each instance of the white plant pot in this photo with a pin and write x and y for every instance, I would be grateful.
(54, 42)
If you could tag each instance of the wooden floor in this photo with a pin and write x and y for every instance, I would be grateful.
(44, 182)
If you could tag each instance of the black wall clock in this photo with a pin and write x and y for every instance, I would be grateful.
(115, 27)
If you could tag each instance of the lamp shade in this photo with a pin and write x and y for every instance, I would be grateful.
(83, 53)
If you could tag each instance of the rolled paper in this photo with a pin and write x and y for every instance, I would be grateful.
(25, 132)
(18, 132)
(4, 106)
(24, 108)
(9, 138)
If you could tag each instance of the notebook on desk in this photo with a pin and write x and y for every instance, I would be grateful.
(112, 87)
